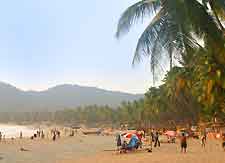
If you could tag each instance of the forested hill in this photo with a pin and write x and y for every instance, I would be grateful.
(58, 97)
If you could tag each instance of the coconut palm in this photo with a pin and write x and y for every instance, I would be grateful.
(172, 31)
(218, 10)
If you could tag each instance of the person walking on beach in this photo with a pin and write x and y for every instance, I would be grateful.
(54, 136)
(150, 142)
(157, 139)
(118, 142)
(183, 143)
(42, 134)
(203, 140)
(21, 135)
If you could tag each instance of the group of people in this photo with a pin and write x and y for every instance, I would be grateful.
(55, 134)
(124, 146)
(154, 140)
(135, 141)
(2, 136)
(38, 134)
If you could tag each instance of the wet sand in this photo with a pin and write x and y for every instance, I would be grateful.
(93, 149)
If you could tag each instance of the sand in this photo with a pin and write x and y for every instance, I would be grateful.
(47, 151)
(167, 153)
(94, 149)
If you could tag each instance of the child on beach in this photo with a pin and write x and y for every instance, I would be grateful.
(183, 143)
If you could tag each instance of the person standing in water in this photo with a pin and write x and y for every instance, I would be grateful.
(183, 143)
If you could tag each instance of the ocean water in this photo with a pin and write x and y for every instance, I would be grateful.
(14, 130)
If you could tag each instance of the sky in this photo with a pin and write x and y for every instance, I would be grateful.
(44, 43)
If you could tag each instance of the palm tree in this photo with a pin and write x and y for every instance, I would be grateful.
(218, 10)
(172, 31)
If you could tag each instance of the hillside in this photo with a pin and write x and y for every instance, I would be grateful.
(58, 97)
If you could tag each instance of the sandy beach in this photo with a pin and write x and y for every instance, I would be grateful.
(96, 149)
(47, 151)
(167, 153)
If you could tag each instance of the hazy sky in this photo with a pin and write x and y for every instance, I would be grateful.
(48, 42)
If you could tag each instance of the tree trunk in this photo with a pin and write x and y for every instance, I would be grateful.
(171, 56)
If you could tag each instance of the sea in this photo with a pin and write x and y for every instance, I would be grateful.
(13, 131)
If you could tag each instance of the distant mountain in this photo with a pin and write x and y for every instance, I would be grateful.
(59, 97)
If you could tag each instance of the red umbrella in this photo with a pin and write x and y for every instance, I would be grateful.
(128, 135)
(170, 133)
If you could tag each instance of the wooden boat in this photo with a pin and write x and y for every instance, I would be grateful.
(92, 132)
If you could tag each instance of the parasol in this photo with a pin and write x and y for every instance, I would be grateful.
(170, 133)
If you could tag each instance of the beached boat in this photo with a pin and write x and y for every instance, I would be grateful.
(92, 132)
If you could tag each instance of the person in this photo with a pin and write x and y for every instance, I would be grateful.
(118, 142)
(156, 139)
(58, 133)
(152, 135)
(0, 136)
(223, 141)
(183, 143)
(72, 133)
(150, 143)
(140, 135)
(203, 140)
(124, 147)
(21, 135)
(42, 134)
(38, 133)
(132, 145)
(173, 139)
(54, 136)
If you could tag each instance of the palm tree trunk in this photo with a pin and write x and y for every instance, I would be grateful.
(171, 56)
(171, 61)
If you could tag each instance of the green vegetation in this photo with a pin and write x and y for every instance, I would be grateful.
(190, 32)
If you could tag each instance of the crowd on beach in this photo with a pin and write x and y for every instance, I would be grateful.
(133, 140)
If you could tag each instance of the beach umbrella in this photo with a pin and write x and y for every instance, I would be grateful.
(170, 133)
(128, 135)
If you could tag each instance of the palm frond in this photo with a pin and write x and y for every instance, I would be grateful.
(149, 38)
(135, 13)
(202, 22)
(219, 6)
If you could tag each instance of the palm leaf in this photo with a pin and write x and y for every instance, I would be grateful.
(148, 38)
(134, 13)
